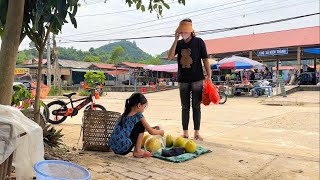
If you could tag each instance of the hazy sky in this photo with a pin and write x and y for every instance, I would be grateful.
(206, 14)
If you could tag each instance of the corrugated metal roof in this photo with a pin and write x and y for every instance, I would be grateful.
(287, 38)
(117, 72)
(84, 70)
(43, 60)
(74, 64)
(134, 65)
(103, 66)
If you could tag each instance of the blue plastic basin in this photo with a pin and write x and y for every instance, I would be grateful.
(58, 169)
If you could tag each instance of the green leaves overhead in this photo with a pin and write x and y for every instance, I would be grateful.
(154, 5)
(39, 15)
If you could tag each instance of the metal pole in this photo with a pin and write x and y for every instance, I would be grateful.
(56, 63)
(48, 63)
(129, 78)
(299, 59)
(135, 81)
(277, 75)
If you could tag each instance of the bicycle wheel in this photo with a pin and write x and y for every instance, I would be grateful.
(97, 107)
(56, 106)
(223, 98)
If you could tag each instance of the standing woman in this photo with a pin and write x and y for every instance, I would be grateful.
(191, 50)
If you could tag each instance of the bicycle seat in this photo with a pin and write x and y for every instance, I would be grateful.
(69, 95)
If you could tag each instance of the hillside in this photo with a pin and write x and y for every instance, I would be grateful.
(131, 50)
(164, 54)
(104, 54)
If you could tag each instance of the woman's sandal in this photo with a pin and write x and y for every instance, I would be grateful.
(184, 136)
(198, 137)
(146, 154)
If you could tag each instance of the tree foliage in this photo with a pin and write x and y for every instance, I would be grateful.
(117, 53)
(91, 58)
(22, 56)
(94, 77)
(154, 61)
(132, 53)
(153, 5)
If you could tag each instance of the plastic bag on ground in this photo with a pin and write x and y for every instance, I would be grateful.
(28, 148)
(154, 146)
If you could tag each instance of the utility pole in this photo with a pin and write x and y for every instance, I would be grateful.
(57, 75)
(48, 63)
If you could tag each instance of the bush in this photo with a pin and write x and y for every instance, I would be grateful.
(94, 77)
(55, 91)
(83, 92)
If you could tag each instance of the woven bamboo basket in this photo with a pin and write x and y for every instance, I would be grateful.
(97, 129)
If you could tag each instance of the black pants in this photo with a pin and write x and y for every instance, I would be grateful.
(195, 90)
(137, 129)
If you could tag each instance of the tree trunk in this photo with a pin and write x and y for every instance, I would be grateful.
(39, 77)
(9, 49)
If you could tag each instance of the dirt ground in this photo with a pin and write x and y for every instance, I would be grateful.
(248, 140)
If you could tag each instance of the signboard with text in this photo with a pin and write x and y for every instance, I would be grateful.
(273, 52)
(19, 71)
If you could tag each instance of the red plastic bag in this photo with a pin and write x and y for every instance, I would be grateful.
(205, 99)
(210, 91)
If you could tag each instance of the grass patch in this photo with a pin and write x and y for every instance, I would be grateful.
(83, 92)
(55, 91)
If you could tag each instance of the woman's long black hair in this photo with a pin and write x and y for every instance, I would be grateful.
(134, 100)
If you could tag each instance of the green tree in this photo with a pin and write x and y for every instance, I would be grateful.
(23, 55)
(154, 61)
(91, 50)
(32, 45)
(92, 59)
(117, 53)
(16, 16)
(94, 77)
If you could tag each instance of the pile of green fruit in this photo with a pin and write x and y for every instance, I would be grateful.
(189, 145)
(153, 144)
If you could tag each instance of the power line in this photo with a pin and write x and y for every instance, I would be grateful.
(163, 23)
(88, 3)
(257, 24)
(163, 18)
(204, 32)
(202, 22)
(265, 10)
(116, 12)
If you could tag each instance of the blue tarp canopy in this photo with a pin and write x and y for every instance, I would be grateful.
(312, 50)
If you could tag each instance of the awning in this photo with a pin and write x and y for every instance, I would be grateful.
(117, 72)
(163, 68)
(285, 68)
(312, 51)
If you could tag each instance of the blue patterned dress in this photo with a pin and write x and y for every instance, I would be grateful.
(120, 141)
